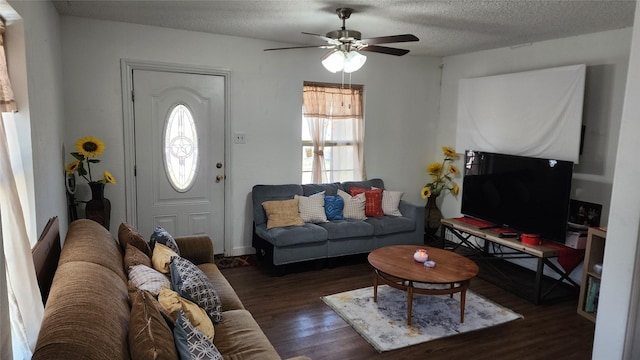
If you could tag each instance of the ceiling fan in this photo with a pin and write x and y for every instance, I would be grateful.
(345, 44)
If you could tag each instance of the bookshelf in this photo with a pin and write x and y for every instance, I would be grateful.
(590, 287)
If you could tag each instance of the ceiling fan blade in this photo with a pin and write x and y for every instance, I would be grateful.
(327, 39)
(391, 39)
(385, 50)
(302, 47)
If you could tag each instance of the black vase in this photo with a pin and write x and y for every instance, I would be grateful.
(432, 216)
(98, 208)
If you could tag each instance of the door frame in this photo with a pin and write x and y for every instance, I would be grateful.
(127, 66)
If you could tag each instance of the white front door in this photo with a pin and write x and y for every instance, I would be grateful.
(179, 153)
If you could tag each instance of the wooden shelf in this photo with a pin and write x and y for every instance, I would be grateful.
(594, 274)
(594, 254)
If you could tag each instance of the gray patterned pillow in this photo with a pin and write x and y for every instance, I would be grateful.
(191, 283)
(191, 343)
(163, 237)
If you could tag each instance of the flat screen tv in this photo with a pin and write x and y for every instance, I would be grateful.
(526, 194)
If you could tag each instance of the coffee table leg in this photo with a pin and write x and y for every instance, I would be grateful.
(409, 302)
(463, 297)
(375, 286)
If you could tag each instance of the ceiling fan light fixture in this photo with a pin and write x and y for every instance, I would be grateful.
(334, 62)
(354, 61)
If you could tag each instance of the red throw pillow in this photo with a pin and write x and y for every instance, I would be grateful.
(373, 198)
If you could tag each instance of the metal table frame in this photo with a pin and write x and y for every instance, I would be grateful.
(515, 250)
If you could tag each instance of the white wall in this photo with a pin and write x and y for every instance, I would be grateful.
(617, 326)
(606, 56)
(401, 97)
(38, 90)
(92, 49)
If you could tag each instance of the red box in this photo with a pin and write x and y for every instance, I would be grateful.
(531, 239)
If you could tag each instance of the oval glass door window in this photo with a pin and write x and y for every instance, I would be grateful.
(181, 148)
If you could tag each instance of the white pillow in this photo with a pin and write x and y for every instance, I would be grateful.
(146, 278)
(390, 202)
(353, 205)
(311, 208)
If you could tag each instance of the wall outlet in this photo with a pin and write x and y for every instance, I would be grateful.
(239, 138)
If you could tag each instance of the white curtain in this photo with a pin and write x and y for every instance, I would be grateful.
(358, 134)
(23, 293)
(325, 103)
(21, 304)
(5, 326)
(315, 111)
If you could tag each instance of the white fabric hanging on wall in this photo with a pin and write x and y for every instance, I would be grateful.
(534, 113)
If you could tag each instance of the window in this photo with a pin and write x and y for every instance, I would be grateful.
(332, 133)
(180, 148)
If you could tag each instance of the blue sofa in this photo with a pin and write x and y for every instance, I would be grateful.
(284, 245)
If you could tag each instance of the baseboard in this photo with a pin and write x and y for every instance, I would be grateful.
(239, 251)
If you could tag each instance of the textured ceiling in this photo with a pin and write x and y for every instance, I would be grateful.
(443, 27)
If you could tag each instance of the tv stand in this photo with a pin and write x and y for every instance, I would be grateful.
(514, 250)
(488, 227)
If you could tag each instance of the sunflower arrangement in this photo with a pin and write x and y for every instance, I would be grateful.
(442, 174)
(88, 149)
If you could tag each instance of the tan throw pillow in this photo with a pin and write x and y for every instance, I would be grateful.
(149, 335)
(127, 234)
(171, 303)
(162, 258)
(311, 208)
(282, 213)
(354, 206)
(135, 256)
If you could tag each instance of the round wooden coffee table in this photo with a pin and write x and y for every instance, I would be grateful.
(395, 266)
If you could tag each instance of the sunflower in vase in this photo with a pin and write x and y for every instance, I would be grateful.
(88, 149)
(442, 174)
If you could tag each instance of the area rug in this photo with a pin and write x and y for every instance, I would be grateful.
(384, 324)
(234, 261)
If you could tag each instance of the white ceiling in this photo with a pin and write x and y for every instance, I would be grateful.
(444, 27)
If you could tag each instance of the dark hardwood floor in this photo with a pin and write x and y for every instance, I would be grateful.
(291, 314)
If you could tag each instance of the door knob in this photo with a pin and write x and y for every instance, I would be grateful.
(219, 178)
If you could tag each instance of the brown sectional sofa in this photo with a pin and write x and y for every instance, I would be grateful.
(87, 313)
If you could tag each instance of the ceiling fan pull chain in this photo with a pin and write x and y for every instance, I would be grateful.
(349, 105)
